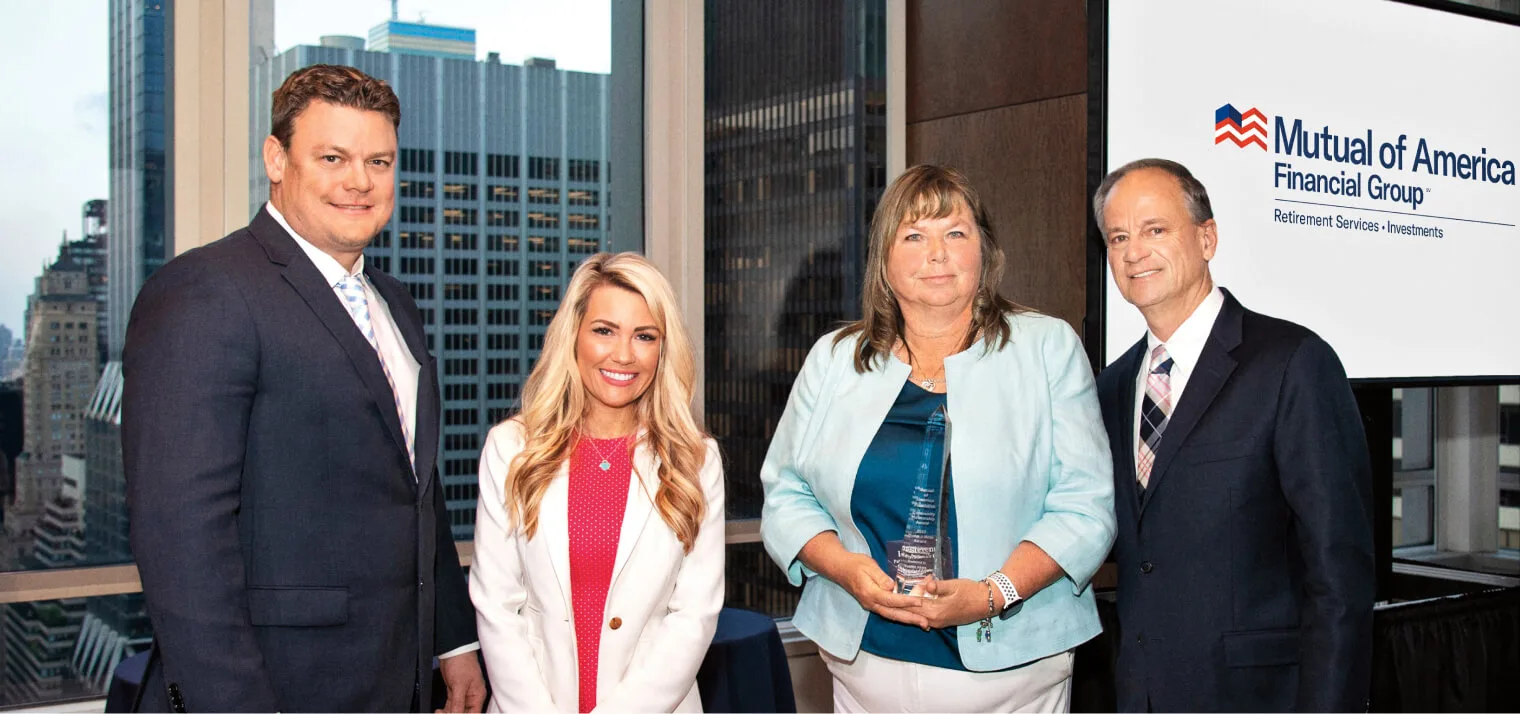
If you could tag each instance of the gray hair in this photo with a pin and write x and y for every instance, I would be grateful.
(1193, 192)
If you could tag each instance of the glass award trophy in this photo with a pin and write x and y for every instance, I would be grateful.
(925, 547)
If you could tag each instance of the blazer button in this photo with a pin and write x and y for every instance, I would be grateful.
(1145, 567)
(615, 623)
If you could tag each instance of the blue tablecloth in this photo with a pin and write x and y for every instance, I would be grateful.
(125, 682)
(745, 669)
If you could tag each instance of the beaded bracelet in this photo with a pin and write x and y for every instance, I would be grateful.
(985, 628)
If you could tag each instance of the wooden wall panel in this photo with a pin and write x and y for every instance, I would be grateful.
(1029, 163)
(971, 55)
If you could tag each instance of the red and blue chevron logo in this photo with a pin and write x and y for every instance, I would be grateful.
(1241, 128)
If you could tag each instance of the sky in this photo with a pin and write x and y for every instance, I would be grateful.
(56, 55)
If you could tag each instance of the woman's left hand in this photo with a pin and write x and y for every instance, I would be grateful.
(951, 603)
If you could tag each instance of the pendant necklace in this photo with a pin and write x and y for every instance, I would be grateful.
(929, 382)
(605, 464)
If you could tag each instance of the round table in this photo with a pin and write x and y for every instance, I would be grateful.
(745, 669)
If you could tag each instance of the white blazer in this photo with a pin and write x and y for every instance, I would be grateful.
(666, 600)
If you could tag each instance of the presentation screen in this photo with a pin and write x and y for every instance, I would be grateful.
(1361, 160)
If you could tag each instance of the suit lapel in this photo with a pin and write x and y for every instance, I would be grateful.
(554, 528)
(426, 438)
(1129, 371)
(641, 490)
(1215, 365)
(308, 283)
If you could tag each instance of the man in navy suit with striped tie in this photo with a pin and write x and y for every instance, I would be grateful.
(1243, 484)
(280, 433)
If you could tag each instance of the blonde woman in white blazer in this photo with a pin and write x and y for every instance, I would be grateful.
(598, 570)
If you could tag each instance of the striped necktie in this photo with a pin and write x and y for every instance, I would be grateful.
(1155, 412)
(358, 306)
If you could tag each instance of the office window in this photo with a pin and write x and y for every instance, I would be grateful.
(460, 216)
(412, 188)
(502, 218)
(501, 166)
(543, 244)
(583, 221)
(503, 365)
(460, 291)
(461, 316)
(543, 195)
(535, 342)
(543, 269)
(417, 160)
(420, 291)
(459, 367)
(381, 262)
(583, 197)
(461, 341)
(416, 240)
(501, 316)
(501, 390)
(461, 266)
(460, 163)
(460, 191)
(502, 341)
(462, 442)
(539, 219)
(381, 241)
(585, 171)
(427, 319)
(543, 168)
(501, 194)
(416, 266)
(498, 291)
(540, 318)
(583, 245)
(543, 292)
(459, 241)
(501, 243)
(416, 214)
(461, 417)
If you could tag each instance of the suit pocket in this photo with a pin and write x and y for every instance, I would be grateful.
(298, 607)
(1216, 451)
(1261, 648)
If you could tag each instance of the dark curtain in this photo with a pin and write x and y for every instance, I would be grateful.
(1456, 654)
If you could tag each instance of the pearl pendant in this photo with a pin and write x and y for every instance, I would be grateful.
(604, 465)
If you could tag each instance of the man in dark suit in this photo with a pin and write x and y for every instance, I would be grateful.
(280, 431)
(1242, 480)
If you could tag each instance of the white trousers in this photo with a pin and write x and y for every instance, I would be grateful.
(878, 684)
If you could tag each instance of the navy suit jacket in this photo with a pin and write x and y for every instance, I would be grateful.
(289, 558)
(1246, 575)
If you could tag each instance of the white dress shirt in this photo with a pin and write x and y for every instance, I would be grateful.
(1185, 347)
(403, 367)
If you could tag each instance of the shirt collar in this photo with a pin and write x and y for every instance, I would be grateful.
(332, 271)
(1186, 345)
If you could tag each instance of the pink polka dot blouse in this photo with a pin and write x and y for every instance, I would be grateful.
(597, 499)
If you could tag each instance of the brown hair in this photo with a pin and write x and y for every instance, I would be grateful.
(925, 191)
(334, 84)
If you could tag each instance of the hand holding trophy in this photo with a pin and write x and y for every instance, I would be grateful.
(925, 549)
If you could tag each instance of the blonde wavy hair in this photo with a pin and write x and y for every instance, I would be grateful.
(554, 400)
(925, 191)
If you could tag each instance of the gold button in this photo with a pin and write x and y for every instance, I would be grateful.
(615, 623)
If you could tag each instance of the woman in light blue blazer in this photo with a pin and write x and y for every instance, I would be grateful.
(1028, 497)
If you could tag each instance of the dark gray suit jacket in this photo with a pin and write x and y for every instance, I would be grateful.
(1246, 575)
(289, 558)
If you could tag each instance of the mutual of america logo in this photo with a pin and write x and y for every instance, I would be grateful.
(1356, 163)
(1243, 129)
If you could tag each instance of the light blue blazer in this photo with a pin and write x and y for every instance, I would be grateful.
(1031, 463)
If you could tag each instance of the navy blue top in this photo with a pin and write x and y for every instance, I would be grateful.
(879, 504)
